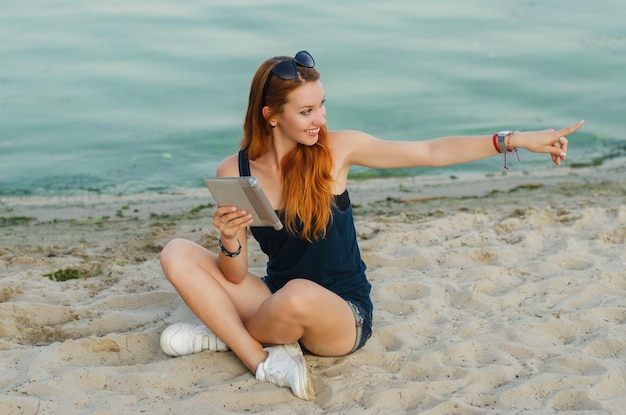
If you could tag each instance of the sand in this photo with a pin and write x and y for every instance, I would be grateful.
(503, 293)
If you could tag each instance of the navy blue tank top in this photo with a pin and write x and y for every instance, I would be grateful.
(334, 262)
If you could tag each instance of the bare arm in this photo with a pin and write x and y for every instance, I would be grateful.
(369, 151)
(232, 224)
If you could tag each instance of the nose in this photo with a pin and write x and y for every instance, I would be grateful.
(321, 117)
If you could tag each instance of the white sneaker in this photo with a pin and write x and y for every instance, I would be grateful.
(185, 338)
(285, 366)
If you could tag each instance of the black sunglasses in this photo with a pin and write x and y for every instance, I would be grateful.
(288, 70)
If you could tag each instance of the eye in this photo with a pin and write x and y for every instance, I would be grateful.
(323, 102)
(305, 112)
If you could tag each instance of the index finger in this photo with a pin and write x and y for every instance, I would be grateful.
(222, 210)
(568, 130)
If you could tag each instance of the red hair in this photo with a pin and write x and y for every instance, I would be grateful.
(306, 170)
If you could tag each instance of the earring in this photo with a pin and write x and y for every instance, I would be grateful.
(273, 124)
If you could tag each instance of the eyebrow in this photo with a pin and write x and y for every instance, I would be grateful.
(309, 106)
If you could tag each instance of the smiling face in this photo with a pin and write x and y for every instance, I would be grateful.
(302, 115)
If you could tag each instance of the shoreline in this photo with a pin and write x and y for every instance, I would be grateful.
(499, 294)
(362, 192)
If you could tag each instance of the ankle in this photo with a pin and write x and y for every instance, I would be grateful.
(285, 366)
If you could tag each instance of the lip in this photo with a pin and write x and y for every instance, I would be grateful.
(313, 132)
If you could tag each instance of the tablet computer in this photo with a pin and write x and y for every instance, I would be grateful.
(245, 193)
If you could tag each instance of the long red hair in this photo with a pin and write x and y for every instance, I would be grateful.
(306, 170)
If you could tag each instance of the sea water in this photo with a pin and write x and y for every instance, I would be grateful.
(123, 97)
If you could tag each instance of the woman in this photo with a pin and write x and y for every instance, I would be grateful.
(315, 292)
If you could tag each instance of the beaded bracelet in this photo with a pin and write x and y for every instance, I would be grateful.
(228, 253)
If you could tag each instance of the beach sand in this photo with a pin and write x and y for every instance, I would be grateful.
(493, 294)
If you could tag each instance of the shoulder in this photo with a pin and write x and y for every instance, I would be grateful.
(229, 166)
(347, 145)
(348, 138)
(344, 145)
(345, 141)
(345, 135)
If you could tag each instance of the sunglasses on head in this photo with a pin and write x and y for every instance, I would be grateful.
(288, 69)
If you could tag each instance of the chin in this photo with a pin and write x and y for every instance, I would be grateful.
(312, 142)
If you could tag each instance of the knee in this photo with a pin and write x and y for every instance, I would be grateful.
(172, 250)
(299, 297)
(174, 253)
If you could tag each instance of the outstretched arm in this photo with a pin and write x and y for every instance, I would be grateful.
(372, 152)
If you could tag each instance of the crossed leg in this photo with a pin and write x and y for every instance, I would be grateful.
(247, 315)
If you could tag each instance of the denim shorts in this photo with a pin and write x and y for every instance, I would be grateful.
(363, 321)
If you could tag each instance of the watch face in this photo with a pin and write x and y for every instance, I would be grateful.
(501, 141)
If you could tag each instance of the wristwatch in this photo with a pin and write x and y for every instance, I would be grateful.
(501, 136)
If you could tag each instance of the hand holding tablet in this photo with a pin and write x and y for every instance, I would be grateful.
(244, 193)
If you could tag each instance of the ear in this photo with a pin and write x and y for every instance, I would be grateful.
(269, 117)
(267, 113)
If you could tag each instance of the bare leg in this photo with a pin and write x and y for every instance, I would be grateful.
(246, 316)
(303, 310)
(219, 304)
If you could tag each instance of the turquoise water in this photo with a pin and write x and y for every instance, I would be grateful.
(135, 96)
